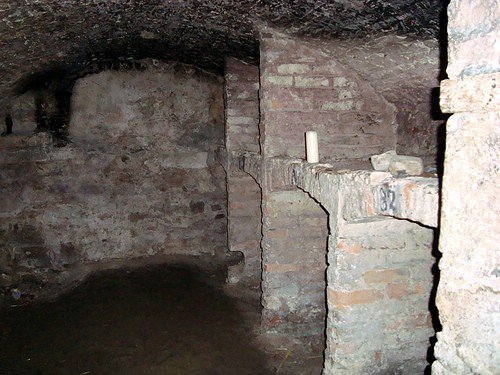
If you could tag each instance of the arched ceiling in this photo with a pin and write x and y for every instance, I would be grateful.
(40, 39)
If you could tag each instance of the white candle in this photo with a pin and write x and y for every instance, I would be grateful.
(312, 147)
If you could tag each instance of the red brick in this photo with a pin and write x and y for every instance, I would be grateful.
(349, 247)
(401, 290)
(356, 297)
(277, 233)
(384, 276)
(272, 320)
(422, 320)
(397, 291)
(370, 206)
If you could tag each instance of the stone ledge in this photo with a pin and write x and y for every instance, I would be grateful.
(369, 193)
(412, 198)
(479, 93)
(362, 193)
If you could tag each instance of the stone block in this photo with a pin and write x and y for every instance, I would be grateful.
(280, 80)
(466, 59)
(346, 94)
(240, 120)
(340, 81)
(346, 105)
(401, 165)
(468, 292)
(381, 162)
(471, 94)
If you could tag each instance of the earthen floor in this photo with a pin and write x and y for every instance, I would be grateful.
(161, 319)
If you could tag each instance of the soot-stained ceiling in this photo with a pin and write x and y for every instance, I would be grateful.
(40, 39)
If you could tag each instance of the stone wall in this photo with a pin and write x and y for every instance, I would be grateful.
(468, 293)
(244, 196)
(139, 177)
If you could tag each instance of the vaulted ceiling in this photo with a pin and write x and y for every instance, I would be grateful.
(40, 39)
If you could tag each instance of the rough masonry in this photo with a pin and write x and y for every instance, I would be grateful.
(138, 178)
(468, 293)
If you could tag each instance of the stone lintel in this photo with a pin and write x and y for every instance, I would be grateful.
(365, 193)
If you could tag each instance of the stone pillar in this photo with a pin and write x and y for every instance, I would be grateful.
(468, 293)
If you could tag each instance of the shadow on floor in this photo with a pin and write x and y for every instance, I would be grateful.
(155, 320)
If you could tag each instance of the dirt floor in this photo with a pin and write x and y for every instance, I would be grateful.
(161, 319)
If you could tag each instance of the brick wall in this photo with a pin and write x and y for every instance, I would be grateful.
(380, 255)
(405, 72)
(241, 106)
(378, 295)
(138, 179)
(242, 135)
(294, 263)
(468, 292)
(379, 269)
(303, 87)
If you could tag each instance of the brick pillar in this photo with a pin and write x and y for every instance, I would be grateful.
(294, 260)
(378, 295)
(304, 88)
(242, 135)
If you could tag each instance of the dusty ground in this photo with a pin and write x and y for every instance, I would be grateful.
(159, 319)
